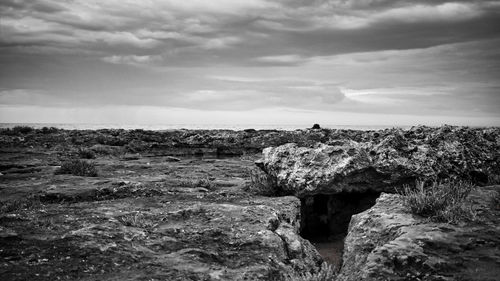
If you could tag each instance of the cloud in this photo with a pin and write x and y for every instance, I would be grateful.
(281, 60)
(376, 56)
(427, 13)
(132, 59)
(272, 31)
(409, 14)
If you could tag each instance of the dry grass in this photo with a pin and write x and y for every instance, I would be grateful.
(138, 220)
(326, 273)
(86, 153)
(28, 203)
(203, 182)
(78, 167)
(441, 202)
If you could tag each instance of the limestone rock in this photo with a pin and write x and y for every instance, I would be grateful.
(388, 243)
(384, 162)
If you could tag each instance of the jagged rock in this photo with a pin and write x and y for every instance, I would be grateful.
(386, 242)
(385, 162)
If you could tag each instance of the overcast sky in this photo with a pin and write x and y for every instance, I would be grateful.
(342, 62)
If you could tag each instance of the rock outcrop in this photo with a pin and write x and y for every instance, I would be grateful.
(145, 218)
(149, 215)
(174, 238)
(383, 163)
(388, 243)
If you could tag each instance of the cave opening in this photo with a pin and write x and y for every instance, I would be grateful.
(325, 220)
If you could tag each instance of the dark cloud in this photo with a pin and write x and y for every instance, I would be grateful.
(425, 57)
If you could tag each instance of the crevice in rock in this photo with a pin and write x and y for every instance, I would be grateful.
(325, 220)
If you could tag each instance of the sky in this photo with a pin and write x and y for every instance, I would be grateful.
(343, 62)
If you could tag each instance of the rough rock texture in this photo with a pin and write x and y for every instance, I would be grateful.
(149, 216)
(182, 240)
(385, 162)
(388, 243)
(144, 218)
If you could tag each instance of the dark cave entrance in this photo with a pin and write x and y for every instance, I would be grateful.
(326, 217)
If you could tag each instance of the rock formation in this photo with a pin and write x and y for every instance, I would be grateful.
(384, 162)
(150, 215)
(386, 242)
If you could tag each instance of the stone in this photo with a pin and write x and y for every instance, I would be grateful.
(172, 159)
(385, 163)
(386, 242)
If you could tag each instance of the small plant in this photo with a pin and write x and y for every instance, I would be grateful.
(22, 129)
(262, 183)
(49, 130)
(86, 153)
(106, 150)
(203, 182)
(441, 202)
(326, 273)
(137, 220)
(78, 167)
(29, 203)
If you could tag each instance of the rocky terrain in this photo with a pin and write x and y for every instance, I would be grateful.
(385, 161)
(387, 243)
(179, 205)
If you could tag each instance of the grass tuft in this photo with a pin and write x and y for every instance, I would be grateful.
(22, 129)
(138, 220)
(78, 167)
(326, 273)
(441, 202)
(86, 153)
(29, 203)
(203, 182)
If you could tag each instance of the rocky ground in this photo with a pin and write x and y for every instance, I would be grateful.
(176, 205)
(387, 243)
(146, 219)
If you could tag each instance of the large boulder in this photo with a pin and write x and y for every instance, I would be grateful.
(384, 162)
(386, 242)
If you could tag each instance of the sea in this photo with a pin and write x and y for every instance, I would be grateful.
(167, 127)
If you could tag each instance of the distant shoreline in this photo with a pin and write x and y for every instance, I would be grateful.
(236, 127)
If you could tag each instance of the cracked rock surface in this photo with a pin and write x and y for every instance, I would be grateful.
(386, 242)
(144, 218)
(389, 159)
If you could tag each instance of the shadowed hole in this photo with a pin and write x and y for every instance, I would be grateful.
(326, 217)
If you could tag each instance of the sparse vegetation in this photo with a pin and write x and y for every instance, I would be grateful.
(22, 129)
(203, 182)
(137, 219)
(49, 130)
(78, 167)
(326, 273)
(136, 146)
(28, 203)
(16, 131)
(441, 202)
(261, 183)
(106, 150)
(86, 153)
